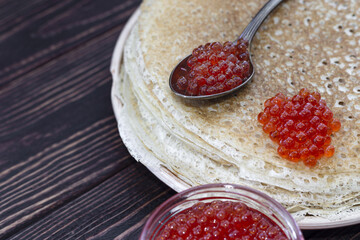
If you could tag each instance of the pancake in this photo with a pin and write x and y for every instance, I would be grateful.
(312, 44)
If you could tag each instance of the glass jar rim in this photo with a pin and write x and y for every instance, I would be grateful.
(226, 187)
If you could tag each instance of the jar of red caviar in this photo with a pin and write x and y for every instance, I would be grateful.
(220, 211)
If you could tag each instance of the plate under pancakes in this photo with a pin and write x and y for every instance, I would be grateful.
(220, 141)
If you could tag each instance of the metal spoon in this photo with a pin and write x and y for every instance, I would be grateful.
(247, 35)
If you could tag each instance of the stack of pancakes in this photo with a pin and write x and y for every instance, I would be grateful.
(311, 44)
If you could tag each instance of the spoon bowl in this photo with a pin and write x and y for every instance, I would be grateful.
(182, 68)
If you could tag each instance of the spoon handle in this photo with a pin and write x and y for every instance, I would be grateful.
(255, 23)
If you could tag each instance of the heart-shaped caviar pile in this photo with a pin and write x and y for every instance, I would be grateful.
(220, 220)
(301, 125)
(215, 68)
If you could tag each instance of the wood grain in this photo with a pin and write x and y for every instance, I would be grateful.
(59, 174)
(57, 132)
(44, 30)
(343, 233)
(115, 209)
(56, 84)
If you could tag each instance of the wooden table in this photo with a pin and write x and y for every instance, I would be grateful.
(64, 171)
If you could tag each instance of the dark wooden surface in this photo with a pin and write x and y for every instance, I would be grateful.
(64, 172)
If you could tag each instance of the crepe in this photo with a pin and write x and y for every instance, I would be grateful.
(311, 44)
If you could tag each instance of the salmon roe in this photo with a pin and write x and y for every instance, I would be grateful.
(215, 68)
(220, 220)
(301, 125)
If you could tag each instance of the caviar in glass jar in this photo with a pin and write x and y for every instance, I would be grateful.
(214, 68)
(301, 125)
(220, 220)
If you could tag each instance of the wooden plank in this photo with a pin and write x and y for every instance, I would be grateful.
(344, 233)
(116, 209)
(37, 186)
(33, 34)
(58, 136)
(57, 84)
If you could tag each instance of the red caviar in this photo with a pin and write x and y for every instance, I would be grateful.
(215, 68)
(301, 125)
(220, 220)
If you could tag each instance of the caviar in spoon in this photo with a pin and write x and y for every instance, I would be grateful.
(215, 69)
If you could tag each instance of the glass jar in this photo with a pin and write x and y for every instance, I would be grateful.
(224, 192)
